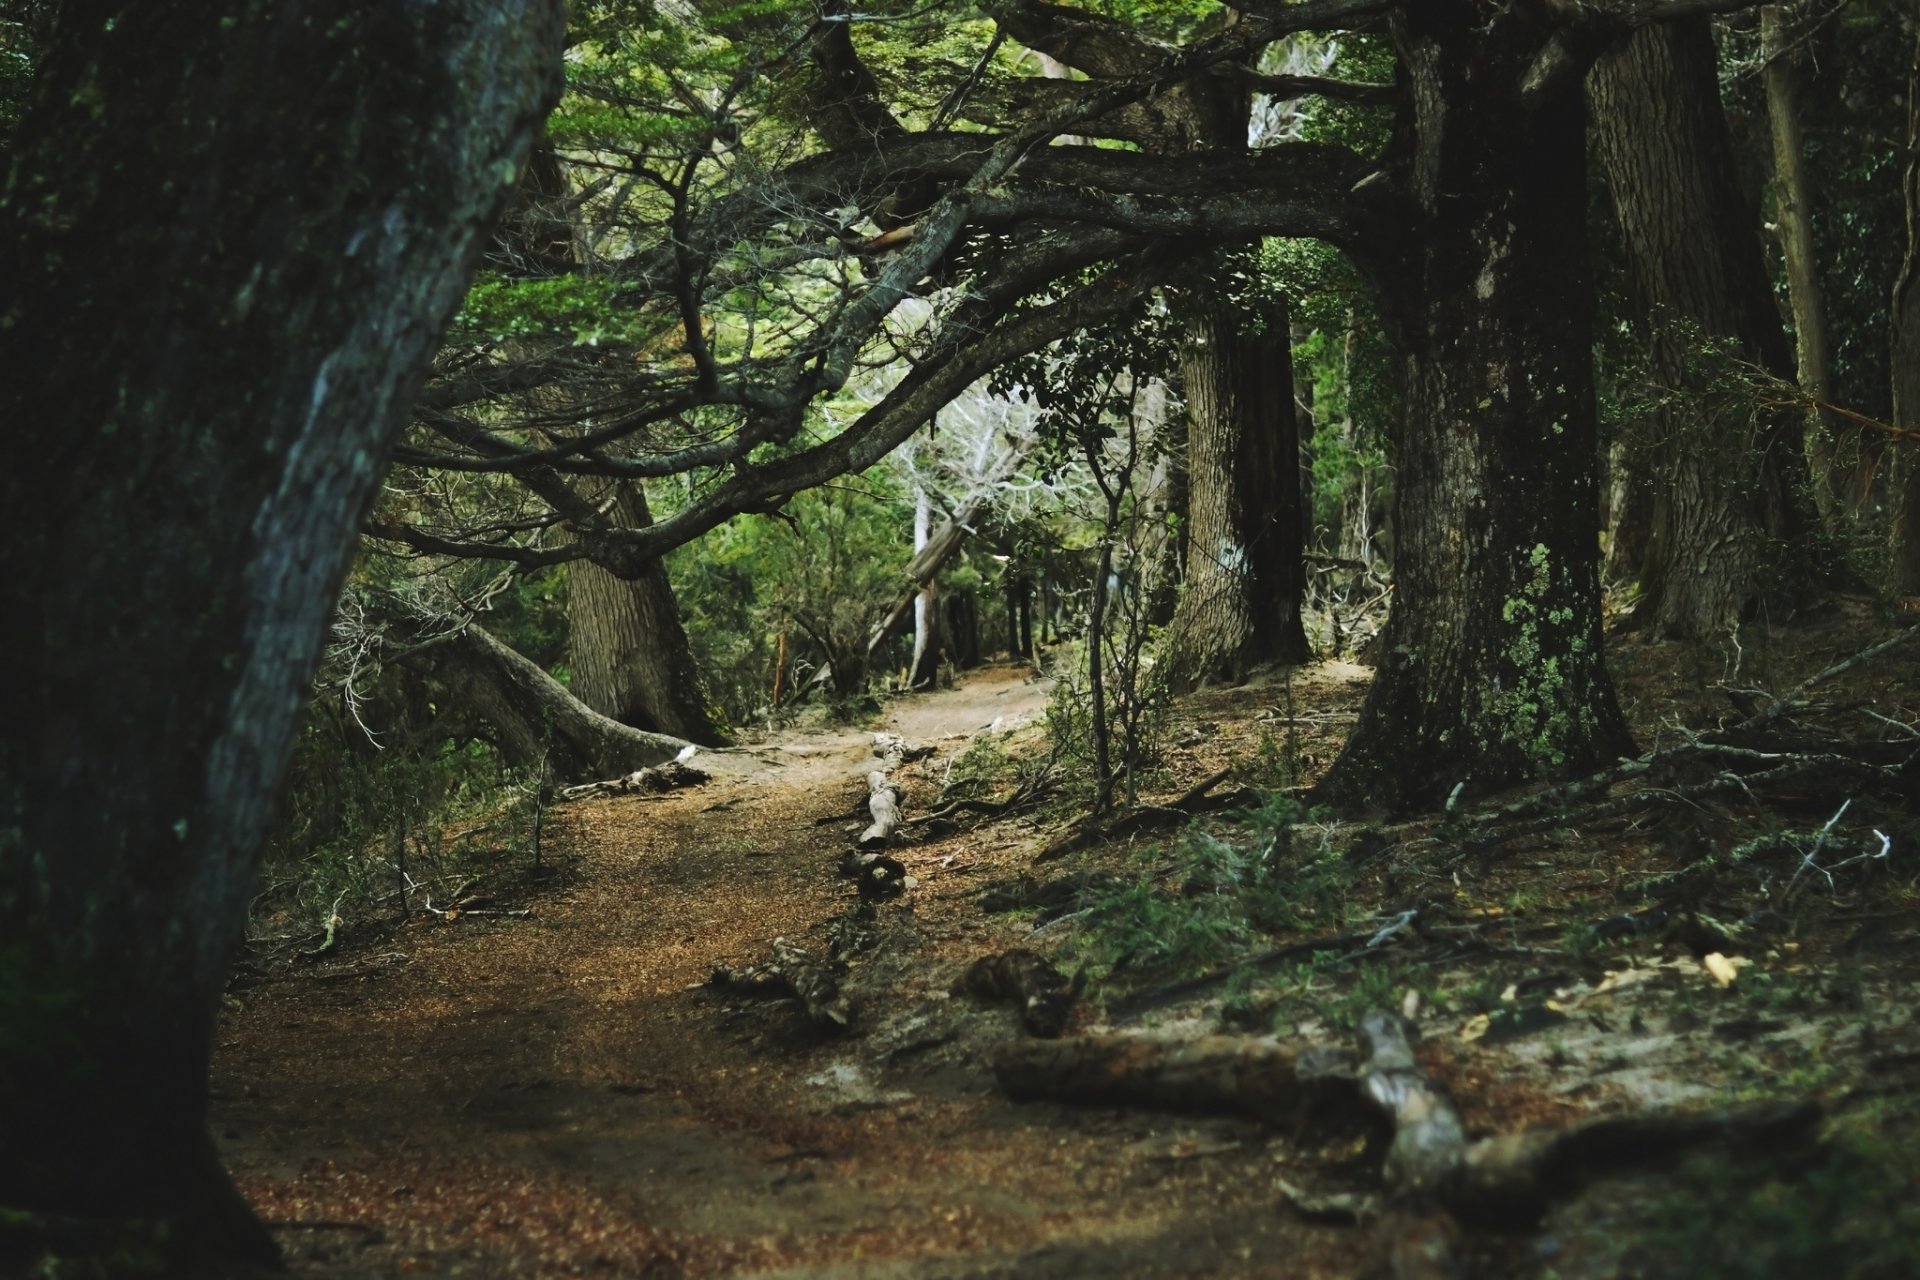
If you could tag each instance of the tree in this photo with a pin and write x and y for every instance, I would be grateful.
(1491, 668)
(1905, 342)
(752, 286)
(1240, 606)
(1721, 485)
(211, 339)
(631, 660)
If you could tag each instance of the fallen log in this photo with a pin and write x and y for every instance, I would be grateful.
(1026, 979)
(670, 776)
(883, 802)
(1435, 1177)
(793, 971)
(1252, 1076)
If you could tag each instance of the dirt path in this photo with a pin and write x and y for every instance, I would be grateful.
(565, 1095)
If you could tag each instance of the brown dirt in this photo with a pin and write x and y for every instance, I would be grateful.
(566, 1094)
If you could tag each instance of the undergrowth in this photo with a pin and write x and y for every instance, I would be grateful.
(1217, 893)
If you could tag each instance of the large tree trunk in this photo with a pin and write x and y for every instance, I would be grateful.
(1491, 668)
(631, 659)
(1721, 511)
(498, 694)
(1905, 481)
(1240, 606)
(231, 237)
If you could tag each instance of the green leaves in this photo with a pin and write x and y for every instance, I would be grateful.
(576, 309)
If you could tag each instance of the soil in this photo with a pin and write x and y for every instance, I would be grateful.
(567, 1092)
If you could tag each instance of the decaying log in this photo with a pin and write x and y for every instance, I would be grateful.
(883, 802)
(670, 776)
(1026, 979)
(792, 971)
(1249, 1075)
(1435, 1177)
(1434, 1174)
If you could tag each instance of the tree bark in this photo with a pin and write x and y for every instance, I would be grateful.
(1839, 482)
(631, 659)
(211, 335)
(508, 699)
(1491, 668)
(1240, 606)
(1904, 484)
(1721, 511)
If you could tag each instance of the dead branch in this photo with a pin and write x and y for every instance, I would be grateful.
(1259, 1077)
(1028, 981)
(670, 776)
(791, 972)
(1149, 817)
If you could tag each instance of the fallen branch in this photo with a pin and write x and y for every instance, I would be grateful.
(1026, 979)
(1149, 817)
(670, 776)
(1259, 1077)
(1791, 700)
(791, 972)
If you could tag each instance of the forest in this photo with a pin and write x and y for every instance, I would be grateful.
(927, 639)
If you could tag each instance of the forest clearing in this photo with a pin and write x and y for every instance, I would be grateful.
(573, 1092)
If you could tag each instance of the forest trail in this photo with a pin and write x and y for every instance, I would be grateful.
(569, 1093)
(565, 1094)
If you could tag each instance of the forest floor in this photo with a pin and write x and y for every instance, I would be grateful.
(569, 1092)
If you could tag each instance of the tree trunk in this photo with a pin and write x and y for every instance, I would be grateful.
(631, 659)
(925, 664)
(1240, 606)
(1491, 668)
(1905, 481)
(495, 693)
(1834, 454)
(1721, 509)
(210, 340)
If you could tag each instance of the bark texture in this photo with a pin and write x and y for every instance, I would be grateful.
(1240, 606)
(1839, 482)
(1491, 669)
(1905, 484)
(212, 334)
(631, 659)
(512, 702)
(1719, 483)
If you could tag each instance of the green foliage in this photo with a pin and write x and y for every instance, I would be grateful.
(1349, 373)
(1359, 56)
(573, 309)
(1270, 872)
(824, 575)
(357, 819)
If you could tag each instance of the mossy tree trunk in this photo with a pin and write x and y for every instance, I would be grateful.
(1491, 667)
(231, 237)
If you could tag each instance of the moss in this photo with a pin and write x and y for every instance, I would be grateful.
(1540, 710)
